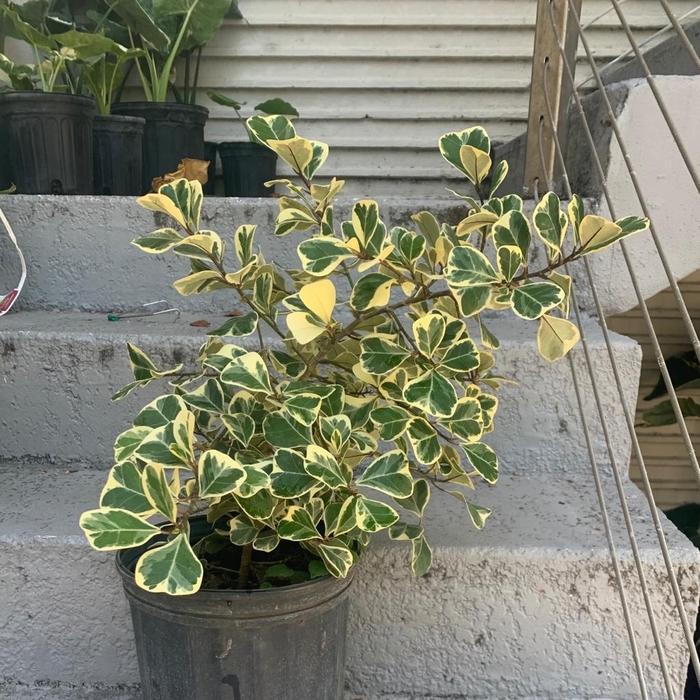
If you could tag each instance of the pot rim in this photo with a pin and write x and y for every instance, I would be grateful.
(143, 104)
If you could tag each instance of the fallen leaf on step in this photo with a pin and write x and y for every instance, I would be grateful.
(200, 324)
(237, 312)
(189, 168)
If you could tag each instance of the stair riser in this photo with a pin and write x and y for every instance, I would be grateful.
(59, 387)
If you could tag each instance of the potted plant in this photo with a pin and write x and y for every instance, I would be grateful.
(248, 492)
(163, 30)
(47, 122)
(247, 166)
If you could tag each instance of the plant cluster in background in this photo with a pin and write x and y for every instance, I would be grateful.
(366, 380)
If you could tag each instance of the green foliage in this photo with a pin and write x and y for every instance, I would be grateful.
(367, 402)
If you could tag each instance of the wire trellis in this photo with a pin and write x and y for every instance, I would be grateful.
(548, 120)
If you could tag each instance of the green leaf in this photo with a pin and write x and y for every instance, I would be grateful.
(429, 332)
(371, 291)
(488, 339)
(237, 326)
(303, 408)
(428, 226)
(320, 256)
(172, 568)
(219, 474)
(201, 246)
(289, 477)
(297, 525)
(556, 337)
(499, 175)
(418, 500)
(281, 571)
(248, 371)
(510, 260)
(391, 421)
(256, 479)
(208, 397)
(475, 163)
(124, 490)
(513, 229)
(373, 516)
(287, 364)
(424, 441)
(462, 356)
(576, 214)
(242, 530)
(273, 128)
(337, 558)
(281, 430)
(431, 393)
(531, 300)
(662, 413)
(404, 531)
(466, 422)
(267, 540)
(483, 459)
(259, 506)
(155, 486)
(128, 442)
(467, 267)
(550, 221)
(240, 425)
(389, 474)
(113, 528)
(422, 558)
(381, 356)
(451, 145)
(478, 514)
(336, 430)
(159, 241)
(243, 243)
(472, 300)
(317, 569)
(276, 106)
(323, 466)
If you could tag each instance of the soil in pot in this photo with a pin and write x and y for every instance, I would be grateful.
(246, 168)
(49, 139)
(172, 132)
(276, 644)
(117, 154)
(210, 151)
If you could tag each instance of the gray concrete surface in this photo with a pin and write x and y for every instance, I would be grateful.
(527, 608)
(59, 371)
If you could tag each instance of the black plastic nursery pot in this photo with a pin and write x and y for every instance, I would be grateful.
(274, 644)
(49, 141)
(246, 168)
(172, 132)
(210, 150)
(117, 154)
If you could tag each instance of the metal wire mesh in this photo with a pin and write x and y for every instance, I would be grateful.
(550, 129)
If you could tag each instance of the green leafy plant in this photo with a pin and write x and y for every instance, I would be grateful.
(273, 107)
(339, 424)
(165, 30)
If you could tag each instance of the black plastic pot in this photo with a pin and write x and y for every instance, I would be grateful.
(246, 168)
(117, 154)
(210, 150)
(49, 139)
(172, 132)
(275, 644)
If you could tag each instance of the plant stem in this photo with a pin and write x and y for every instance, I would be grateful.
(246, 556)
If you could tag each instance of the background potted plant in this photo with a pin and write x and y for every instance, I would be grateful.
(164, 31)
(249, 491)
(247, 165)
(48, 124)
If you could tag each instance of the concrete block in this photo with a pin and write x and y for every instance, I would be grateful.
(527, 608)
(59, 371)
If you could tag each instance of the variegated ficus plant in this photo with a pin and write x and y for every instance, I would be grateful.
(348, 389)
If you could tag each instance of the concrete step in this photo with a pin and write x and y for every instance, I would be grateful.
(527, 608)
(59, 371)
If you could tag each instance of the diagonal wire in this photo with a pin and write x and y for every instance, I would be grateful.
(606, 334)
(657, 94)
(676, 24)
(608, 441)
(648, 40)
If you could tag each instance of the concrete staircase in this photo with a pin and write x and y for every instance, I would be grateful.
(526, 609)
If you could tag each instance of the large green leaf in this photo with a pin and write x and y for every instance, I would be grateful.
(248, 371)
(137, 18)
(297, 525)
(172, 568)
(483, 459)
(373, 516)
(467, 267)
(281, 430)
(381, 356)
(550, 221)
(391, 421)
(206, 17)
(531, 300)
(113, 528)
(431, 393)
(124, 490)
(389, 474)
(320, 256)
(323, 466)
(219, 474)
(289, 477)
(462, 356)
(424, 441)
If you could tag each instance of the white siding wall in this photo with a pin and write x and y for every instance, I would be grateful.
(381, 80)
